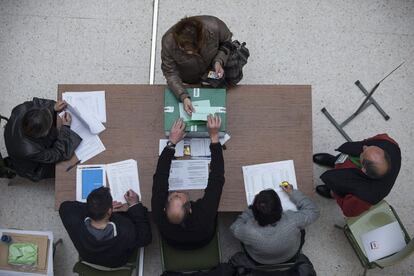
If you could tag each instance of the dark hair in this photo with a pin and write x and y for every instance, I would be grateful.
(266, 207)
(371, 169)
(188, 33)
(98, 203)
(36, 123)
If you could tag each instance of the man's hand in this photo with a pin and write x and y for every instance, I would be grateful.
(288, 189)
(60, 105)
(177, 132)
(188, 106)
(131, 197)
(119, 207)
(66, 119)
(219, 69)
(213, 125)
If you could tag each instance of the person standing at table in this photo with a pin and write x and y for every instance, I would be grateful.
(182, 223)
(362, 175)
(104, 232)
(33, 142)
(190, 49)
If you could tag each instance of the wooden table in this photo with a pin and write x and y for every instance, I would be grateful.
(267, 123)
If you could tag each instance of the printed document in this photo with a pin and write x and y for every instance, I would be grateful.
(188, 175)
(269, 176)
(196, 104)
(383, 241)
(123, 176)
(94, 100)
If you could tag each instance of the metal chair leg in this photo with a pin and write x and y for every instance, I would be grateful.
(55, 244)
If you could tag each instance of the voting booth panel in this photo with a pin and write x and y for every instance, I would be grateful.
(205, 101)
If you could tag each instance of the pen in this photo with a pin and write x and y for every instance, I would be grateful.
(71, 166)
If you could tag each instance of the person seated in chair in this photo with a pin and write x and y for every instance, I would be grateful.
(182, 223)
(33, 142)
(362, 175)
(270, 235)
(104, 232)
(190, 49)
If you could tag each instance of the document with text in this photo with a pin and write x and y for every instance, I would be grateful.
(188, 175)
(123, 176)
(269, 176)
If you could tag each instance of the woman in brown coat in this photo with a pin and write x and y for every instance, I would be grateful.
(190, 49)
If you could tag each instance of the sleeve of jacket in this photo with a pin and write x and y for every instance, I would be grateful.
(72, 214)
(224, 35)
(212, 194)
(307, 212)
(62, 149)
(160, 183)
(242, 229)
(139, 217)
(351, 205)
(170, 71)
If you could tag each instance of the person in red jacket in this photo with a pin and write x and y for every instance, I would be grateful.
(362, 174)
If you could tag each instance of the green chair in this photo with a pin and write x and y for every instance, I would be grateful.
(201, 259)
(83, 268)
(377, 216)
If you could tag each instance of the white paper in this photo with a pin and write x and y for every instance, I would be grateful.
(183, 113)
(179, 148)
(383, 241)
(200, 147)
(188, 175)
(89, 147)
(94, 100)
(269, 176)
(123, 176)
(224, 139)
(81, 117)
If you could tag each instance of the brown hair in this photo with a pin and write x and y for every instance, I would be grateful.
(188, 33)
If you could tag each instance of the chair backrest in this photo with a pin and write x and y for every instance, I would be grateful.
(201, 259)
(86, 269)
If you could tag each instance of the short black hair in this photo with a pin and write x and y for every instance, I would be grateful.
(36, 123)
(371, 170)
(266, 207)
(98, 203)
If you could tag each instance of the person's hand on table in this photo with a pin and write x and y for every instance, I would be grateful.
(288, 189)
(60, 106)
(188, 106)
(177, 132)
(219, 69)
(213, 125)
(67, 119)
(119, 206)
(131, 198)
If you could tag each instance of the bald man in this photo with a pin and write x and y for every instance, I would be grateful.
(182, 223)
(362, 175)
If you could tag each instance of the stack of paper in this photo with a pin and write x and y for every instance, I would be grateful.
(199, 147)
(269, 176)
(122, 176)
(188, 175)
(88, 112)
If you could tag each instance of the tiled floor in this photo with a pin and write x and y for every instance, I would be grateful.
(328, 44)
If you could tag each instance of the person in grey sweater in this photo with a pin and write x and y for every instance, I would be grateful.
(270, 235)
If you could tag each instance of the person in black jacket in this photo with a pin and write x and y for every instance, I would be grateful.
(33, 142)
(106, 233)
(186, 224)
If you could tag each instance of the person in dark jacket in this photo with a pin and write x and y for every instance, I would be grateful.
(33, 142)
(106, 233)
(362, 175)
(182, 223)
(190, 49)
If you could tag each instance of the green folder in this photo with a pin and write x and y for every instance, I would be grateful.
(196, 128)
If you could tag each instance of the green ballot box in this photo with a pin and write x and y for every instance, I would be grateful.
(205, 101)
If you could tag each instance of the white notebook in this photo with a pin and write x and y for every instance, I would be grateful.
(383, 241)
(269, 176)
